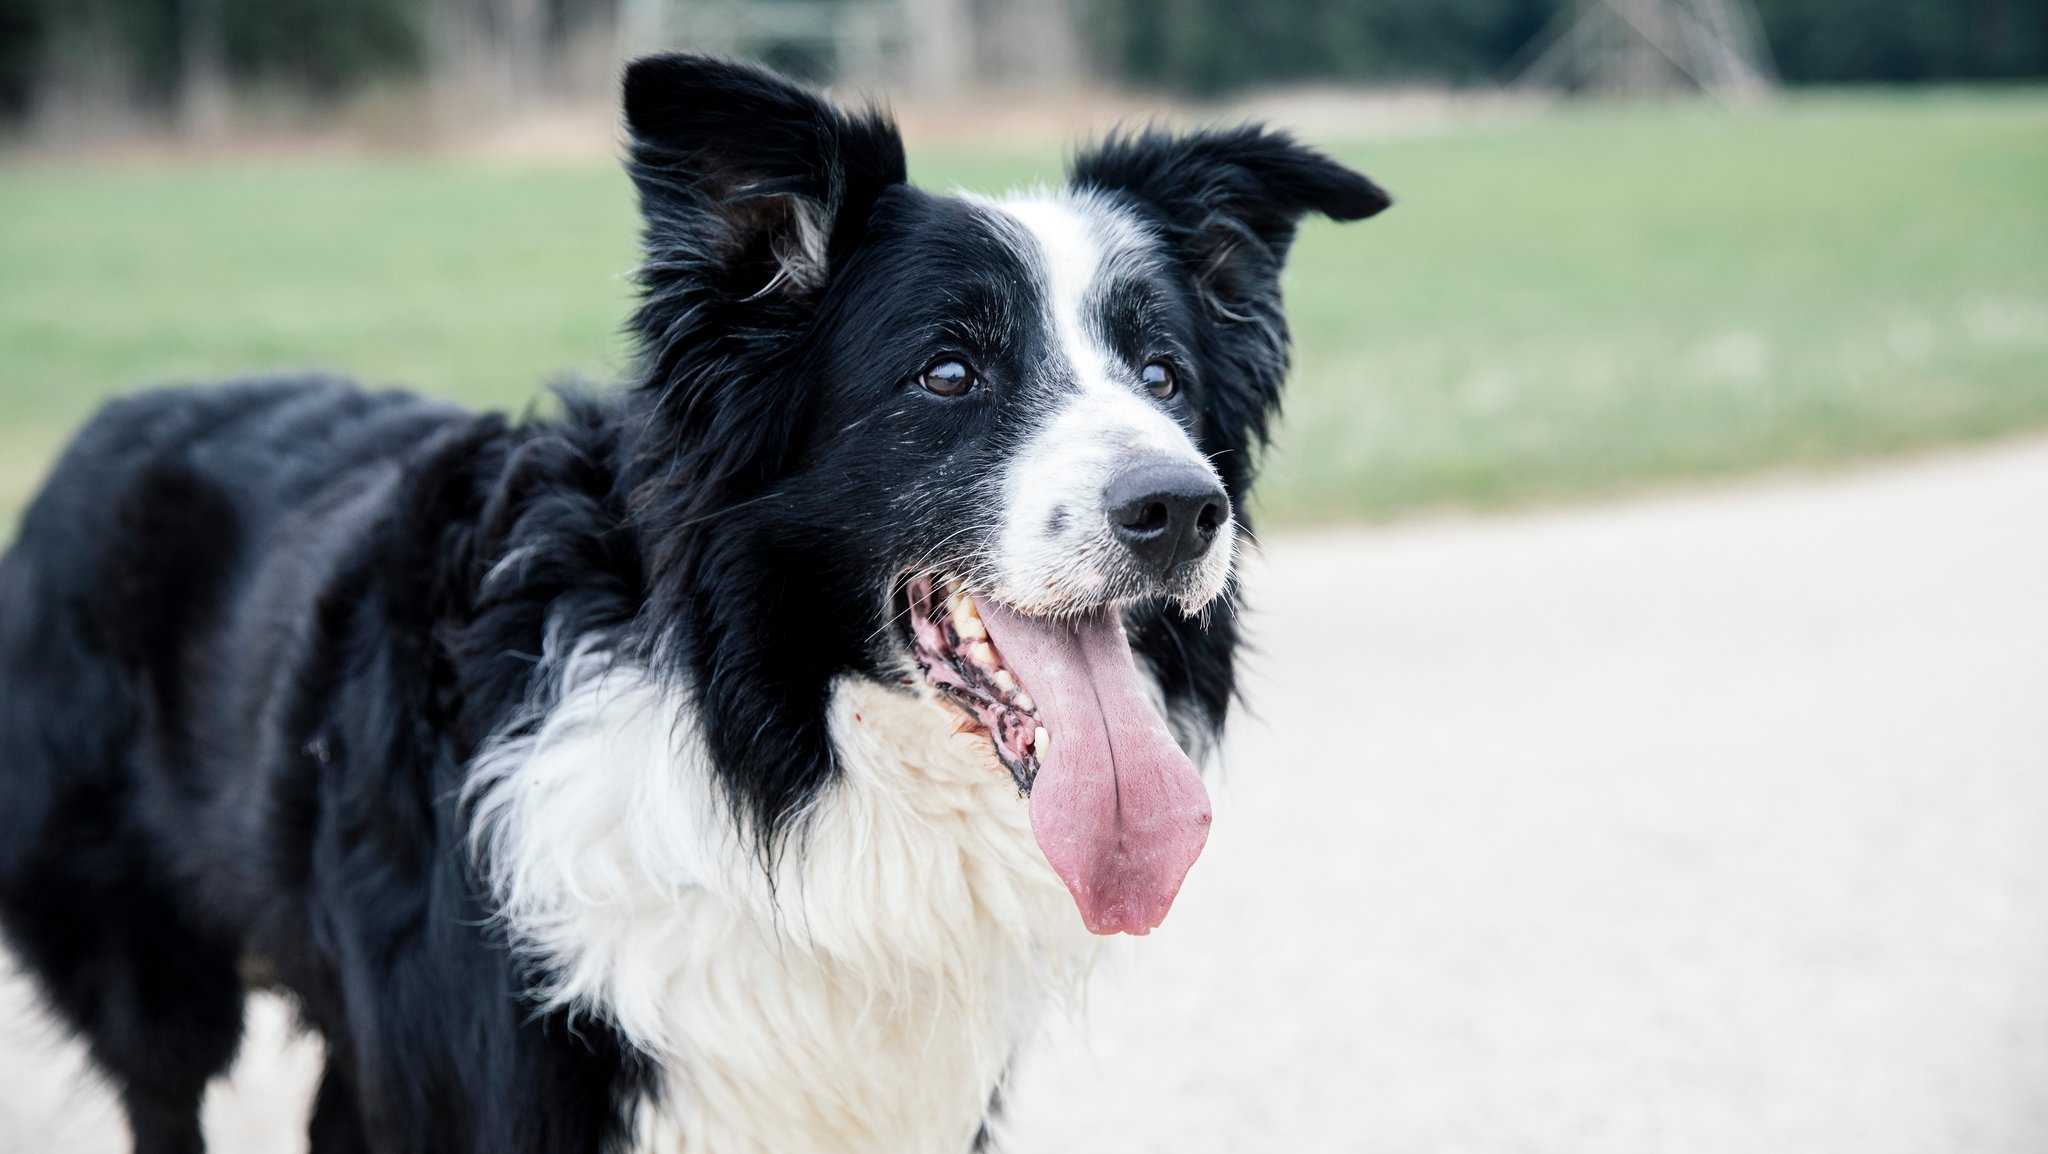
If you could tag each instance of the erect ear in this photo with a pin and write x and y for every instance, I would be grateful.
(752, 188)
(1228, 199)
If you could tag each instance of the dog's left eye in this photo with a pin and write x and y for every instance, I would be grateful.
(948, 378)
(1159, 379)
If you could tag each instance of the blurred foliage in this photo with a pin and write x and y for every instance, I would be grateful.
(321, 48)
(1211, 47)
(320, 44)
(1903, 40)
(316, 49)
(21, 41)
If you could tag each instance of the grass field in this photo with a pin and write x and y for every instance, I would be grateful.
(1582, 303)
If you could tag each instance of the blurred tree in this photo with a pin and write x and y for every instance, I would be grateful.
(22, 36)
(323, 47)
(170, 59)
(1210, 47)
(155, 58)
(1904, 40)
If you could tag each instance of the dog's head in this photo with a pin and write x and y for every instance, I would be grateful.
(998, 449)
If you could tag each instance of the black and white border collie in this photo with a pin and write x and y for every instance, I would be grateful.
(738, 762)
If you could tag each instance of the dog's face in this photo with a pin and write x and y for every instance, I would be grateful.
(1004, 444)
(1011, 389)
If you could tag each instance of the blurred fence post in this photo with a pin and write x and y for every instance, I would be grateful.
(202, 69)
(1031, 43)
(941, 52)
(523, 48)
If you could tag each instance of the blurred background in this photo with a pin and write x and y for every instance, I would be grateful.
(1640, 240)
(1646, 746)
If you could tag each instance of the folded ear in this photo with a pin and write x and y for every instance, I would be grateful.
(1228, 199)
(751, 187)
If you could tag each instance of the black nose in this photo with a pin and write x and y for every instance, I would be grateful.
(1166, 512)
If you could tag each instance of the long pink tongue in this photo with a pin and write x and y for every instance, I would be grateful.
(1117, 807)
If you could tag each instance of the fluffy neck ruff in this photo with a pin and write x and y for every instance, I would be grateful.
(865, 991)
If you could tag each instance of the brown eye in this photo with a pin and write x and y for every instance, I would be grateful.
(1159, 379)
(947, 378)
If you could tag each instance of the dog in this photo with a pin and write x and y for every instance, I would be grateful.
(738, 761)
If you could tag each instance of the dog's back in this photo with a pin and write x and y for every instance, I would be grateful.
(133, 565)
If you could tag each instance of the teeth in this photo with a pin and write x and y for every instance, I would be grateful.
(1040, 741)
(975, 647)
(967, 622)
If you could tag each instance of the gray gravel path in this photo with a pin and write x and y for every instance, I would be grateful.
(1707, 824)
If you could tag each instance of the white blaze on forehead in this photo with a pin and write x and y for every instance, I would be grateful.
(1078, 246)
(1054, 550)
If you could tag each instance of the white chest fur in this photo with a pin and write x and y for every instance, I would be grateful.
(869, 1000)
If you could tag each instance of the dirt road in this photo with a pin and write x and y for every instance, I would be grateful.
(1709, 823)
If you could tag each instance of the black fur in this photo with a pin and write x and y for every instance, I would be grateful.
(252, 635)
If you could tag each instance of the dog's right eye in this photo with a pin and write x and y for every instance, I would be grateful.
(948, 378)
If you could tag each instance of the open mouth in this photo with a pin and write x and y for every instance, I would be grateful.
(951, 645)
(1116, 806)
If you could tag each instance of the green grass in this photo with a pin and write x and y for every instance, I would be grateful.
(1579, 304)
(1622, 296)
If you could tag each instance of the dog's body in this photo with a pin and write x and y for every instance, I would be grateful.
(649, 777)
